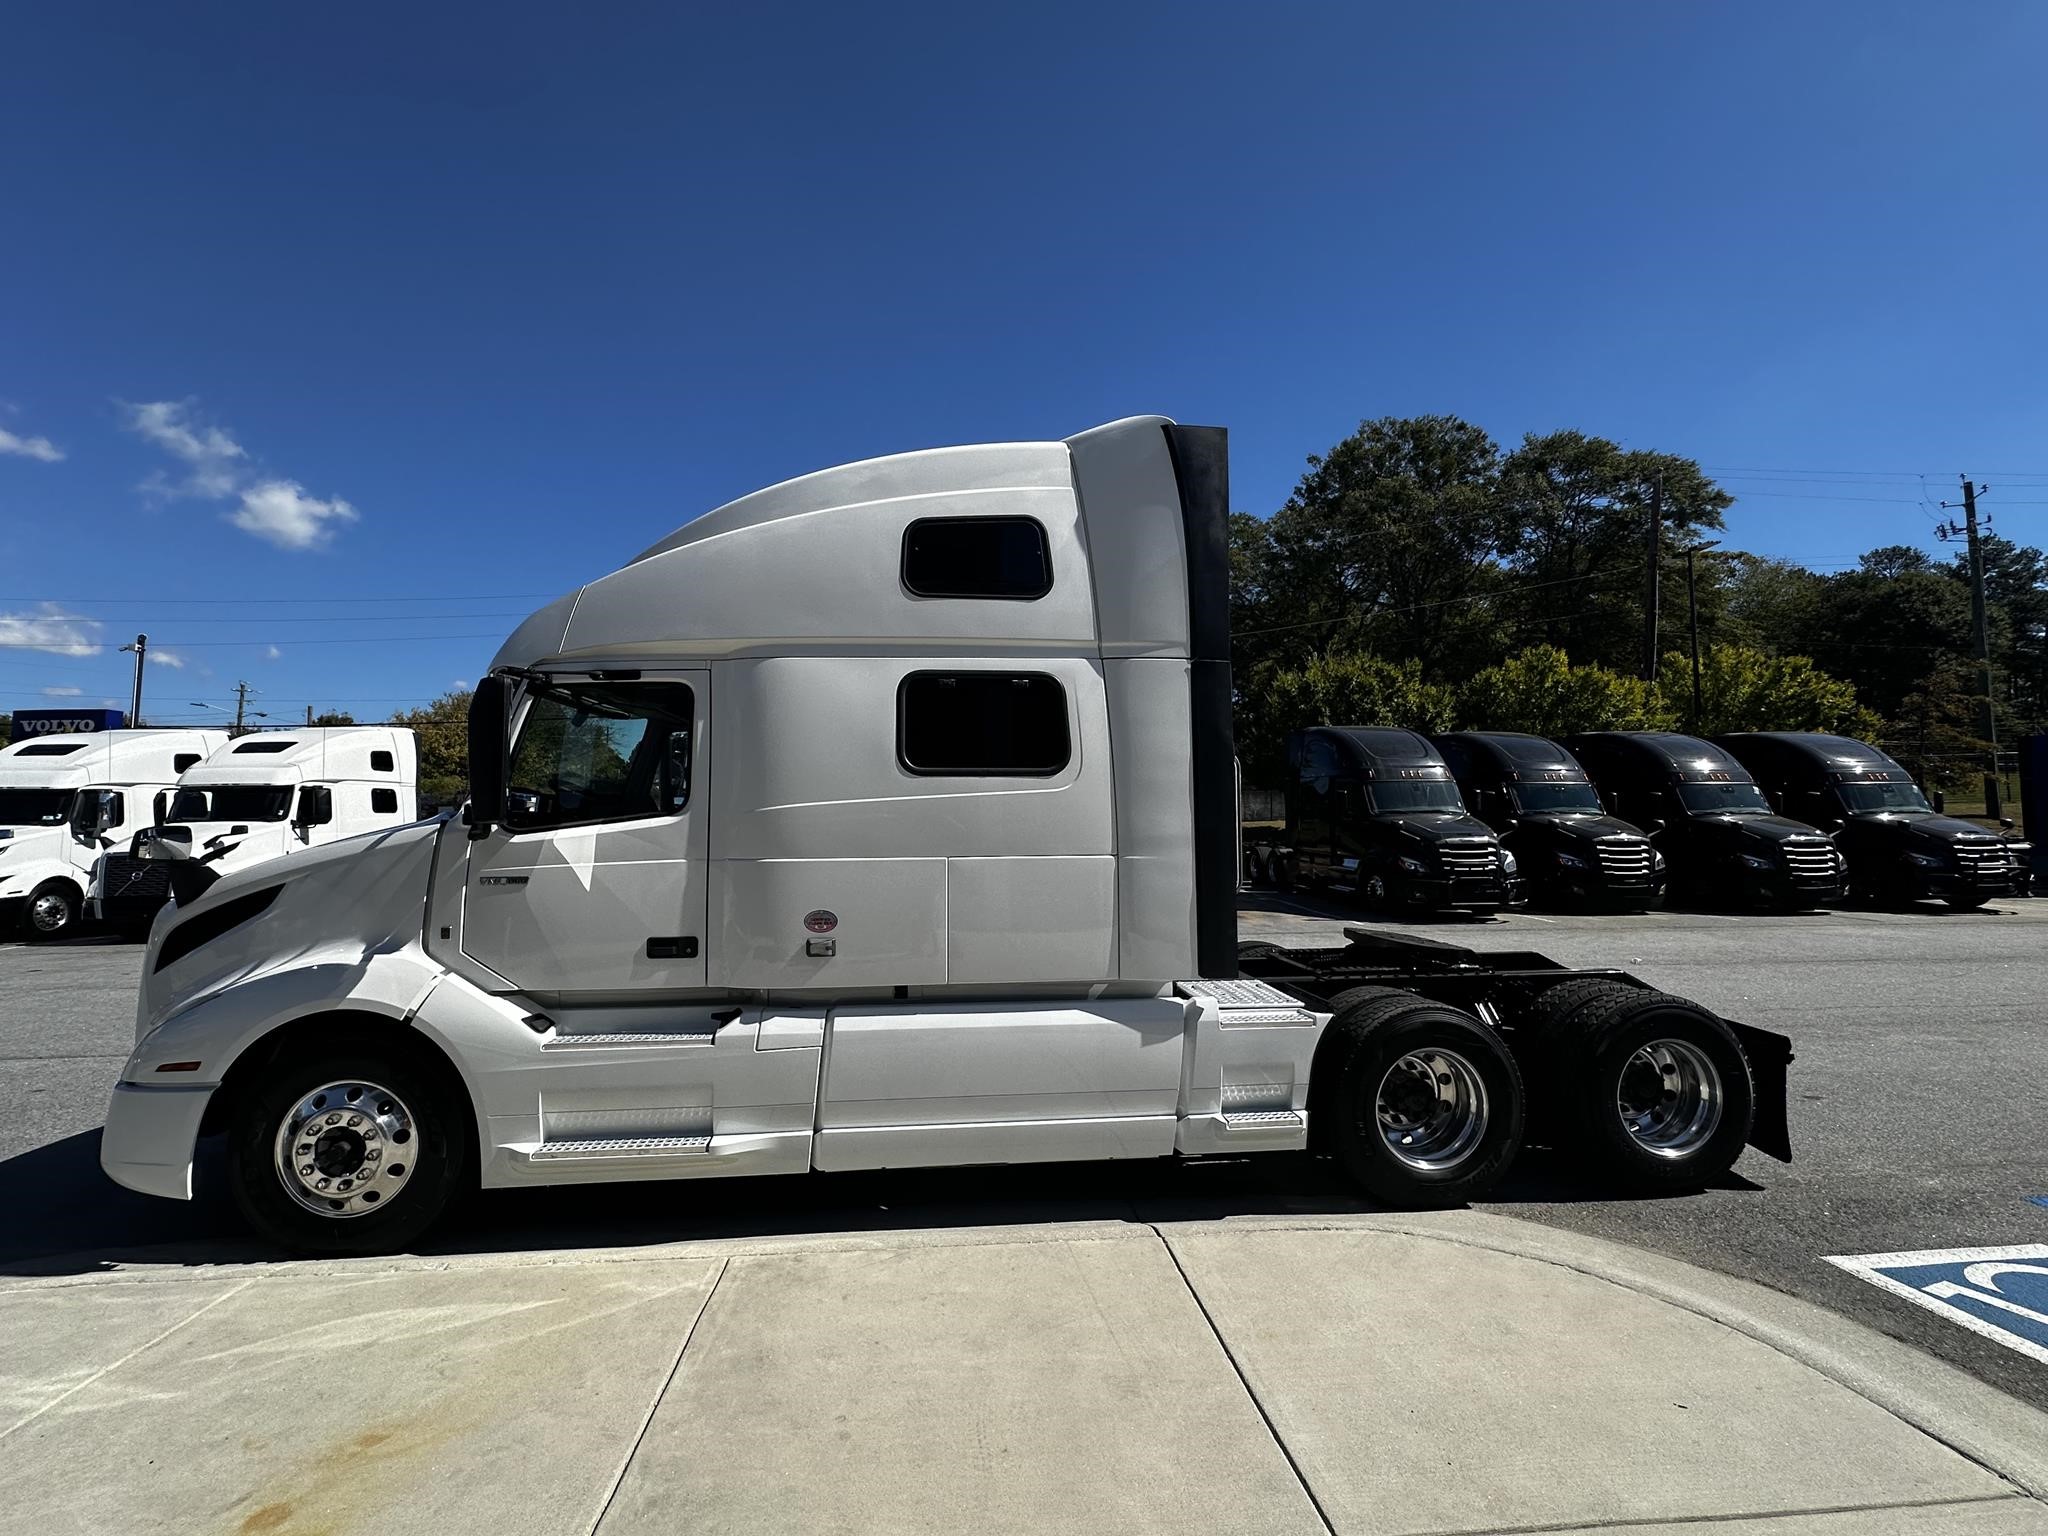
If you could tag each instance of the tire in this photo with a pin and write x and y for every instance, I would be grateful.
(422, 1141)
(51, 911)
(1968, 903)
(1280, 870)
(1650, 1090)
(1372, 894)
(1461, 1131)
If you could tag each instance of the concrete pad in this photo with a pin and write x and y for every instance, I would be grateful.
(1066, 1386)
(1427, 1386)
(472, 1400)
(56, 1340)
(2016, 1516)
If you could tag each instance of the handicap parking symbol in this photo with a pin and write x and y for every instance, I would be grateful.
(2001, 1293)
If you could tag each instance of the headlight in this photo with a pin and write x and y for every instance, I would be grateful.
(1571, 860)
(1507, 862)
(1758, 861)
(1656, 859)
(1413, 866)
(1926, 860)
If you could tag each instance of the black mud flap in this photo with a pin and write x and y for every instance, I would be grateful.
(1770, 1132)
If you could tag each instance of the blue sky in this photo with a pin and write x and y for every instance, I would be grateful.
(328, 331)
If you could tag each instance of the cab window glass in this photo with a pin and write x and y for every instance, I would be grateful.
(600, 752)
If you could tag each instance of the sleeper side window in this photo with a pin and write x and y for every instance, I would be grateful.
(982, 724)
(590, 752)
(1002, 557)
(383, 801)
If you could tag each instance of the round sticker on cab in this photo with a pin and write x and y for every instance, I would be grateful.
(821, 921)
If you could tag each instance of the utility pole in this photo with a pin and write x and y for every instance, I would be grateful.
(140, 648)
(1653, 591)
(1692, 607)
(241, 703)
(309, 714)
(1980, 622)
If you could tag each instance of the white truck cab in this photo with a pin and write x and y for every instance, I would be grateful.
(65, 799)
(882, 818)
(264, 796)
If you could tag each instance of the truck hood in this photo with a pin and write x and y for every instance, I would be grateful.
(1556, 829)
(1903, 831)
(31, 843)
(1765, 829)
(335, 905)
(1442, 829)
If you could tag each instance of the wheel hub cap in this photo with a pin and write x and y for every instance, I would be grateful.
(49, 913)
(345, 1148)
(1432, 1109)
(1669, 1098)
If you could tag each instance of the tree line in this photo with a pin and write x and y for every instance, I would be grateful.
(1420, 575)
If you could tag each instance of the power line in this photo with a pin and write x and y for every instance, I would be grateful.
(186, 645)
(435, 597)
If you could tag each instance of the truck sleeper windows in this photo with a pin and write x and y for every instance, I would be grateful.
(1437, 796)
(601, 752)
(1531, 799)
(233, 802)
(1720, 799)
(982, 724)
(35, 807)
(976, 557)
(384, 802)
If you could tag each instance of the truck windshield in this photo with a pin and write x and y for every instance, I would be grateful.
(1724, 800)
(232, 802)
(1894, 798)
(1531, 798)
(35, 807)
(1437, 797)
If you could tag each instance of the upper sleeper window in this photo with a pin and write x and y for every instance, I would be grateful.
(183, 761)
(266, 746)
(982, 724)
(977, 557)
(383, 762)
(51, 749)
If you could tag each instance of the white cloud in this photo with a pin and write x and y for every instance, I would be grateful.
(282, 512)
(271, 653)
(212, 454)
(163, 658)
(220, 469)
(462, 682)
(50, 629)
(110, 703)
(39, 448)
(62, 693)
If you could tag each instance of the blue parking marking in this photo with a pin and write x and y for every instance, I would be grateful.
(1998, 1293)
(2039, 1199)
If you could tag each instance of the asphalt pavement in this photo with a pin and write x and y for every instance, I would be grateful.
(1917, 1120)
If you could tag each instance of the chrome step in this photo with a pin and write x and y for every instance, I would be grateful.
(1261, 1119)
(649, 1037)
(621, 1146)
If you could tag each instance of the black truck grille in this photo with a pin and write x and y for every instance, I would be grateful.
(1628, 861)
(1812, 864)
(1463, 861)
(134, 884)
(1985, 863)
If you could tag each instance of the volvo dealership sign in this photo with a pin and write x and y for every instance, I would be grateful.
(63, 722)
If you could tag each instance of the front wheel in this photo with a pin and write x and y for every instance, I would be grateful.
(347, 1153)
(1969, 902)
(53, 909)
(1424, 1102)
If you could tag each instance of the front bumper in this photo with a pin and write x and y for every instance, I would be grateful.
(1439, 893)
(149, 1138)
(11, 905)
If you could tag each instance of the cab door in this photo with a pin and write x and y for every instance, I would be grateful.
(595, 883)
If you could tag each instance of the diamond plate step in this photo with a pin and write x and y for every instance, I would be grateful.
(621, 1146)
(1261, 1119)
(621, 1042)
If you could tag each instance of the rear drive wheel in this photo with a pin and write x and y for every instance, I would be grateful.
(1423, 1102)
(1652, 1089)
(1280, 870)
(52, 911)
(346, 1152)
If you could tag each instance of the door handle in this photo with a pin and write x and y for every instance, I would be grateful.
(682, 948)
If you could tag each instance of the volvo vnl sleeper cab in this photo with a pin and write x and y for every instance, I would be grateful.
(263, 796)
(884, 818)
(1535, 794)
(67, 798)
(1897, 847)
(1704, 812)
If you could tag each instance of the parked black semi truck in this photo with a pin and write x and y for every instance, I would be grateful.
(1724, 842)
(1375, 812)
(1897, 847)
(1539, 799)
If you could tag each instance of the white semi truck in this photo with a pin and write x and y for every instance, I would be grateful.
(882, 818)
(258, 797)
(67, 798)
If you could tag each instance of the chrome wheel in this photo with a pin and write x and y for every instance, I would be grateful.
(345, 1149)
(49, 912)
(1375, 891)
(1670, 1098)
(1431, 1107)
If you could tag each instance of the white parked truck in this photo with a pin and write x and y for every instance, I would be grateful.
(65, 799)
(261, 797)
(882, 818)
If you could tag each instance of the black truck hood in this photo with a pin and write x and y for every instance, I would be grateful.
(1764, 829)
(1557, 827)
(1892, 831)
(1440, 829)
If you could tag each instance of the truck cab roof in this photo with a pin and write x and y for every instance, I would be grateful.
(78, 759)
(1814, 749)
(1383, 752)
(1666, 753)
(381, 753)
(1516, 755)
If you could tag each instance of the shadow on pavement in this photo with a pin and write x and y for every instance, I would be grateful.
(69, 1219)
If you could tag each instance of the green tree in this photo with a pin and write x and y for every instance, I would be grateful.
(1538, 690)
(442, 728)
(1935, 731)
(1749, 690)
(1767, 604)
(1346, 688)
(1577, 511)
(1882, 632)
(335, 717)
